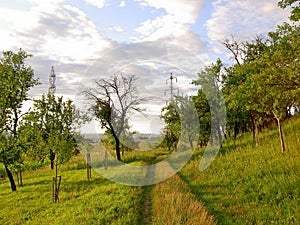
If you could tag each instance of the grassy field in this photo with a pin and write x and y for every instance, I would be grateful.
(252, 186)
(243, 185)
(97, 201)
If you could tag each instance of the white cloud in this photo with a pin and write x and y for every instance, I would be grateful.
(63, 33)
(243, 19)
(182, 11)
(116, 29)
(122, 4)
(98, 3)
(173, 24)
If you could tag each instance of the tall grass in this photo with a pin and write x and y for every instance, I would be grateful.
(173, 203)
(252, 186)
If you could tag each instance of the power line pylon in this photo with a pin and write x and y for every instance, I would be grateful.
(52, 79)
(172, 89)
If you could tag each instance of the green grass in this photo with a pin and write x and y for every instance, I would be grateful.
(98, 201)
(252, 186)
(173, 203)
(243, 185)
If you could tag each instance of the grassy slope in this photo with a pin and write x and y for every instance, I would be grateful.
(242, 186)
(252, 186)
(81, 202)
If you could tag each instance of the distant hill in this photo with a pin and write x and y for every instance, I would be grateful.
(94, 137)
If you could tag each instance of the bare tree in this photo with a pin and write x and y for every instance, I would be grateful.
(112, 100)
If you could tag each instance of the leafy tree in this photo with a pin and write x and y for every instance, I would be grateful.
(53, 124)
(210, 83)
(112, 100)
(172, 130)
(295, 5)
(243, 90)
(204, 115)
(281, 74)
(189, 119)
(16, 79)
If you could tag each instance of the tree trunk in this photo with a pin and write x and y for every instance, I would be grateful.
(280, 133)
(118, 149)
(256, 135)
(52, 158)
(21, 179)
(11, 179)
(252, 127)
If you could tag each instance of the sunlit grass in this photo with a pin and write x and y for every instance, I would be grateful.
(97, 201)
(173, 203)
(252, 186)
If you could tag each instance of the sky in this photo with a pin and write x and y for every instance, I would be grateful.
(87, 40)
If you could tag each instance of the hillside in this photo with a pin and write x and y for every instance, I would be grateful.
(252, 186)
(243, 185)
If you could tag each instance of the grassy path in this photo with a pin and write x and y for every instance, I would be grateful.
(172, 202)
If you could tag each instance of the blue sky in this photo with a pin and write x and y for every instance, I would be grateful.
(89, 39)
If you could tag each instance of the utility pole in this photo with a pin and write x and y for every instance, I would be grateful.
(172, 89)
(57, 179)
(52, 79)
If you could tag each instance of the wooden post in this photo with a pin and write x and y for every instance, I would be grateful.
(21, 179)
(105, 158)
(88, 166)
(53, 189)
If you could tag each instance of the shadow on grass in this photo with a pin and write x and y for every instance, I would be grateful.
(207, 198)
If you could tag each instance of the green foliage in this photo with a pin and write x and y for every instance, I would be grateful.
(172, 130)
(251, 186)
(209, 82)
(52, 129)
(16, 79)
(295, 6)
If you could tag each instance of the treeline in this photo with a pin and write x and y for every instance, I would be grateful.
(261, 87)
(46, 132)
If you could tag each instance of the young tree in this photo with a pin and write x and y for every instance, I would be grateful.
(189, 119)
(204, 115)
(16, 79)
(53, 128)
(52, 125)
(112, 100)
(172, 130)
(210, 83)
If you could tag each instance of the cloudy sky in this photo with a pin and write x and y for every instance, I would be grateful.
(90, 39)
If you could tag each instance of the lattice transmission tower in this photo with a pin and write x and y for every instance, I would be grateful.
(172, 88)
(52, 79)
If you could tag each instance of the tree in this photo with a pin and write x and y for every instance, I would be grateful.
(16, 79)
(172, 130)
(204, 115)
(189, 119)
(266, 85)
(295, 5)
(112, 100)
(210, 84)
(53, 128)
(52, 125)
(281, 74)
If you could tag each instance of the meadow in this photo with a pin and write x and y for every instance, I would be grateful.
(243, 185)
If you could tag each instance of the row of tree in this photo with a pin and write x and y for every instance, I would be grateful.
(260, 87)
(45, 132)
